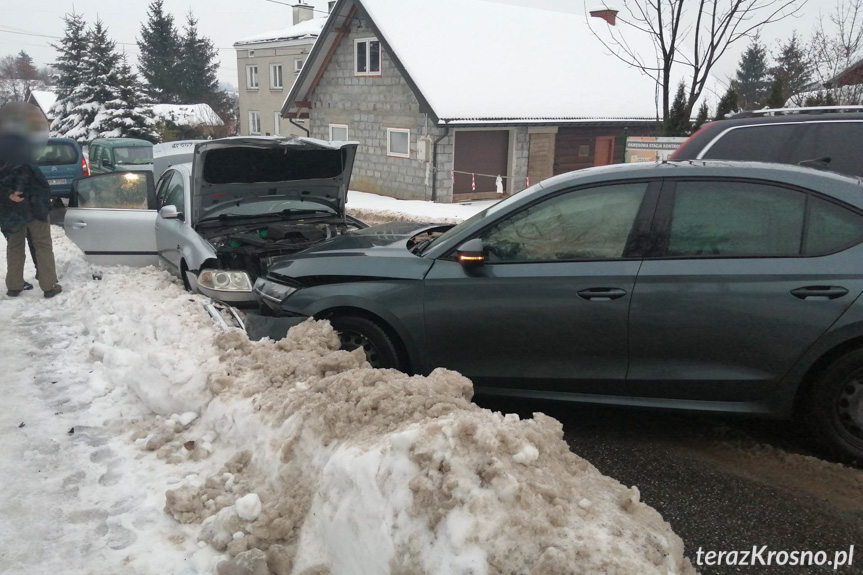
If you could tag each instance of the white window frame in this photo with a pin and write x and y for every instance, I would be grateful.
(298, 64)
(368, 43)
(390, 152)
(277, 123)
(254, 122)
(339, 126)
(276, 74)
(252, 77)
(251, 53)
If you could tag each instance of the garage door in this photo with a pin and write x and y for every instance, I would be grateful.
(480, 156)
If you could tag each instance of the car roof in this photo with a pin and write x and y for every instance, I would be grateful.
(126, 142)
(843, 187)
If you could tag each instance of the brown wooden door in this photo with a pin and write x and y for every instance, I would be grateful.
(483, 153)
(604, 151)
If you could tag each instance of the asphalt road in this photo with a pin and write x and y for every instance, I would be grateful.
(722, 483)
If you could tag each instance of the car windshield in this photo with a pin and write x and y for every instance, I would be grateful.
(134, 155)
(57, 154)
(267, 207)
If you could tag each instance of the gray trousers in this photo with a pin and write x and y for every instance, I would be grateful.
(40, 233)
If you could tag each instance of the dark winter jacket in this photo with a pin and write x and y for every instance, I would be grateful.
(28, 179)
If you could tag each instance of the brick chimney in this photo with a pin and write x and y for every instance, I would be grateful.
(606, 14)
(302, 12)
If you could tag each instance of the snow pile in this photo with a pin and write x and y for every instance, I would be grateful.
(372, 208)
(342, 468)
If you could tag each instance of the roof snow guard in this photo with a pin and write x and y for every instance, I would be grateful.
(461, 69)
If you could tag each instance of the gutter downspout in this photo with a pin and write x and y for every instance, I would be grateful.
(434, 163)
(300, 126)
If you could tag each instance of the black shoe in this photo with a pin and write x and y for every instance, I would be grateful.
(52, 292)
(27, 286)
(13, 292)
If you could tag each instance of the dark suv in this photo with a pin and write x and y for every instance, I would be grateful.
(829, 138)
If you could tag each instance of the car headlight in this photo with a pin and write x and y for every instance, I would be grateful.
(225, 280)
(272, 291)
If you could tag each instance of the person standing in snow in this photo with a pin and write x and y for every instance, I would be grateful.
(25, 201)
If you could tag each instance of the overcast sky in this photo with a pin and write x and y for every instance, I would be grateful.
(26, 23)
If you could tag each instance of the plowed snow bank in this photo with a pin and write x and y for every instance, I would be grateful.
(341, 468)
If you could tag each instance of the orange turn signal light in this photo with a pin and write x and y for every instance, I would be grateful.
(464, 258)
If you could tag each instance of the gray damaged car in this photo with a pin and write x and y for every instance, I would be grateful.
(726, 287)
(219, 221)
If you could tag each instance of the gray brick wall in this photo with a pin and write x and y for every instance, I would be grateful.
(370, 105)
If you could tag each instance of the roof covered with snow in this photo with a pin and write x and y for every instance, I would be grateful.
(475, 60)
(187, 114)
(44, 99)
(307, 29)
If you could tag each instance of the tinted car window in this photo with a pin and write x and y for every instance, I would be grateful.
(831, 228)
(766, 143)
(583, 224)
(57, 154)
(841, 142)
(134, 155)
(726, 219)
(174, 194)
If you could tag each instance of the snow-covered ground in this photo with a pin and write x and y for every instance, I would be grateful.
(138, 439)
(373, 207)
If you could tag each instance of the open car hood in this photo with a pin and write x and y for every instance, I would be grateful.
(246, 169)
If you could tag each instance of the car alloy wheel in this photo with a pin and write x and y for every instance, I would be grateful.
(849, 406)
(351, 340)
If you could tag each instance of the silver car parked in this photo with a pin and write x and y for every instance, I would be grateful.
(219, 221)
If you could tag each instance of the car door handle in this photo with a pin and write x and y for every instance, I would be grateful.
(601, 294)
(819, 292)
(78, 225)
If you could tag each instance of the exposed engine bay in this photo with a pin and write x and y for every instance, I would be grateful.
(253, 248)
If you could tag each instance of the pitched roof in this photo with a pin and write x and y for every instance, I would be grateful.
(306, 29)
(472, 61)
(44, 99)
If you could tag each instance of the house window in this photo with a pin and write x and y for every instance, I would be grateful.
(339, 132)
(367, 57)
(298, 64)
(254, 122)
(276, 77)
(252, 77)
(251, 53)
(399, 142)
(277, 123)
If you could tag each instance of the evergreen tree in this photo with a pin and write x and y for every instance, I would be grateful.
(791, 74)
(752, 76)
(822, 98)
(126, 115)
(728, 103)
(89, 98)
(70, 67)
(702, 117)
(160, 61)
(678, 122)
(199, 83)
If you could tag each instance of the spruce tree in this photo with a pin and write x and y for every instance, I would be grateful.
(791, 74)
(751, 76)
(678, 122)
(126, 115)
(160, 59)
(199, 82)
(702, 117)
(728, 103)
(101, 61)
(72, 72)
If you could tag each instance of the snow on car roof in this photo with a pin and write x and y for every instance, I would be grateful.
(475, 59)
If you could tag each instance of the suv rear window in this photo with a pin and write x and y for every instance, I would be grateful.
(57, 154)
(765, 143)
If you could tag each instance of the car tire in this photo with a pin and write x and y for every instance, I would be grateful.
(381, 350)
(835, 407)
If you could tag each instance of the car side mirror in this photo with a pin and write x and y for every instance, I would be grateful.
(170, 212)
(470, 253)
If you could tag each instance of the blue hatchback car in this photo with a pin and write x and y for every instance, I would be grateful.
(62, 162)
